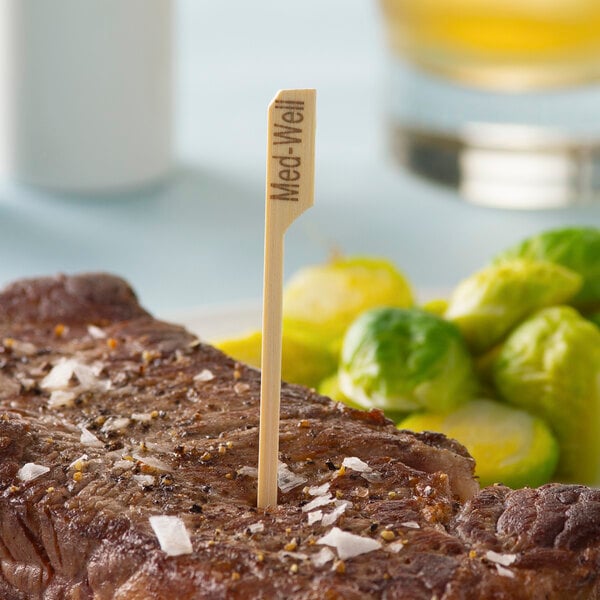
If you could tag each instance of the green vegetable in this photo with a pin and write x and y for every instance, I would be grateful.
(304, 360)
(594, 318)
(401, 360)
(324, 299)
(330, 386)
(509, 445)
(577, 248)
(489, 303)
(438, 306)
(550, 366)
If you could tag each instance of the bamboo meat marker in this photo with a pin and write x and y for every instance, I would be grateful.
(289, 192)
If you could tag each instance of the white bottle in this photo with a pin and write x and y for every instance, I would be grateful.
(90, 93)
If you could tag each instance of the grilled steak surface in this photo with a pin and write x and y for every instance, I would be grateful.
(123, 417)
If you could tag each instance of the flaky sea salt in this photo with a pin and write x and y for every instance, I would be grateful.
(288, 480)
(62, 373)
(141, 417)
(87, 438)
(96, 332)
(358, 465)
(502, 559)
(59, 376)
(115, 424)
(394, 547)
(241, 388)
(336, 513)
(354, 463)
(314, 517)
(248, 471)
(322, 557)
(256, 527)
(152, 462)
(78, 463)
(204, 376)
(60, 398)
(411, 525)
(318, 501)
(348, 544)
(319, 490)
(31, 471)
(504, 571)
(144, 480)
(172, 535)
(26, 348)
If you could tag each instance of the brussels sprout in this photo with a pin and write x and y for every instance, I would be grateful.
(325, 299)
(594, 318)
(577, 248)
(550, 366)
(245, 348)
(330, 386)
(489, 303)
(304, 360)
(509, 445)
(401, 360)
(438, 306)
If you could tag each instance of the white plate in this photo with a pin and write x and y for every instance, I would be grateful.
(211, 323)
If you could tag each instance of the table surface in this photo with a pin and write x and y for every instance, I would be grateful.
(197, 239)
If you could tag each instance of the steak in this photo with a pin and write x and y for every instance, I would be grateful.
(109, 417)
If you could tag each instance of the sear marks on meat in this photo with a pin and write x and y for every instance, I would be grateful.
(109, 417)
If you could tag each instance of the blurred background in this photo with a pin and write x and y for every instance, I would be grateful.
(133, 138)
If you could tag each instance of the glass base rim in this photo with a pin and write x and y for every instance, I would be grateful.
(535, 169)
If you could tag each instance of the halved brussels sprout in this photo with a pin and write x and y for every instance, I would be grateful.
(401, 360)
(594, 317)
(438, 306)
(330, 386)
(509, 445)
(577, 248)
(304, 360)
(325, 299)
(245, 348)
(488, 304)
(550, 366)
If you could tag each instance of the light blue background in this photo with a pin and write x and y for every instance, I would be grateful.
(198, 239)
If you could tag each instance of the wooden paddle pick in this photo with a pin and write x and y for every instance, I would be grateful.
(289, 192)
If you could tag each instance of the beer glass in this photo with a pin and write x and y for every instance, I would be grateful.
(498, 98)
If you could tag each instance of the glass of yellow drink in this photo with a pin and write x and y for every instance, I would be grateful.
(500, 98)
